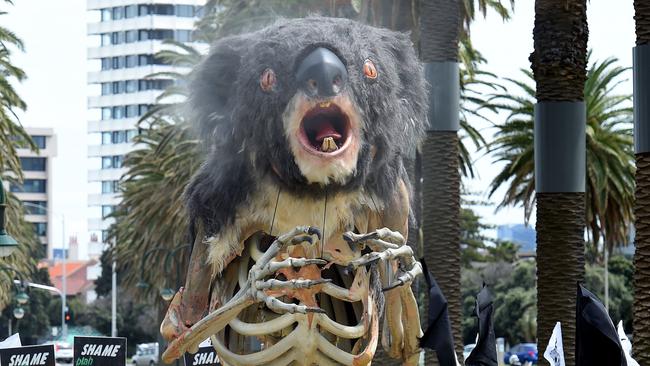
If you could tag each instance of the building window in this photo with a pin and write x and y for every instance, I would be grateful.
(143, 108)
(186, 11)
(130, 134)
(118, 87)
(130, 11)
(117, 161)
(162, 9)
(111, 162)
(131, 86)
(183, 36)
(30, 186)
(110, 186)
(107, 210)
(144, 60)
(131, 36)
(39, 141)
(118, 13)
(131, 111)
(106, 113)
(106, 63)
(118, 111)
(106, 138)
(40, 228)
(131, 61)
(105, 39)
(119, 137)
(33, 164)
(36, 207)
(107, 14)
(107, 162)
(104, 236)
(107, 89)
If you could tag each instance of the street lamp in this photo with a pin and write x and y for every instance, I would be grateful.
(19, 313)
(7, 243)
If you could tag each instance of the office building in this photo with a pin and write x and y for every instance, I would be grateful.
(127, 34)
(36, 190)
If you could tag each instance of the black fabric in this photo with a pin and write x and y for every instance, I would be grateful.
(438, 336)
(597, 341)
(485, 352)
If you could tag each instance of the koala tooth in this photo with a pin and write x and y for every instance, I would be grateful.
(325, 104)
(328, 145)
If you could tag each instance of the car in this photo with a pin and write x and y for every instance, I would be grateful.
(146, 354)
(526, 352)
(467, 350)
(62, 352)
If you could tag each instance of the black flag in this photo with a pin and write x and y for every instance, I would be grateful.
(597, 341)
(485, 352)
(438, 335)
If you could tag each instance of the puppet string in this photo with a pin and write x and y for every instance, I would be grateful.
(275, 210)
(322, 244)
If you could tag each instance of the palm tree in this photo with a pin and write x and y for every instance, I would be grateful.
(642, 208)
(440, 25)
(559, 68)
(610, 161)
(13, 136)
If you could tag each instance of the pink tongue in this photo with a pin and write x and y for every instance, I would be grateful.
(327, 130)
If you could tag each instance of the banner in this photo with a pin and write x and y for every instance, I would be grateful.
(206, 356)
(28, 356)
(99, 351)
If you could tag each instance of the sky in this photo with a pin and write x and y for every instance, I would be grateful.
(55, 61)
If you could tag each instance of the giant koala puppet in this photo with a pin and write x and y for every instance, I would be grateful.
(300, 210)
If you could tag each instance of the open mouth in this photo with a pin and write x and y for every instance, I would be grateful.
(325, 129)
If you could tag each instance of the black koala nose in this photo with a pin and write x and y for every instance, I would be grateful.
(321, 73)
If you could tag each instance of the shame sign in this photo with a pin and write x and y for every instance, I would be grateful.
(99, 351)
(27, 356)
(206, 356)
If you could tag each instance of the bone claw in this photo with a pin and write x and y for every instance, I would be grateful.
(302, 239)
(274, 284)
(315, 231)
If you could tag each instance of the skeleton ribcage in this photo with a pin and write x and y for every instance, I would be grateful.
(346, 333)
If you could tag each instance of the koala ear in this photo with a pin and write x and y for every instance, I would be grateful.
(212, 85)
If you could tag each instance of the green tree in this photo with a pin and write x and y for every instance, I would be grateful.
(559, 61)
(12, 137)
(36, 322)
(610, 160)
(609, 192)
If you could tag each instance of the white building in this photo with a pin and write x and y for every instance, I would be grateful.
(128, 33)
(36, 190)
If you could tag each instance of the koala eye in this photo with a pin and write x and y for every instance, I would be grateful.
(267, 80)
(369, 69)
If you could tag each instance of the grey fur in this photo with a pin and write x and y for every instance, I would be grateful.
(243, 127)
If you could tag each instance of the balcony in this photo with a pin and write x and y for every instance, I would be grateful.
(142, 22)
(109, 149)
(133, 73)
(105, 174)
(141, 97)
(112, 124)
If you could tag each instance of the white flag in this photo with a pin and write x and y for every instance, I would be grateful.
(11, 342)
(555, 351)
(627, 346)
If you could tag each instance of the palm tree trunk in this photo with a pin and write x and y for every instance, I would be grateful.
(641, 320)
(559, 66)
(440, 24)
